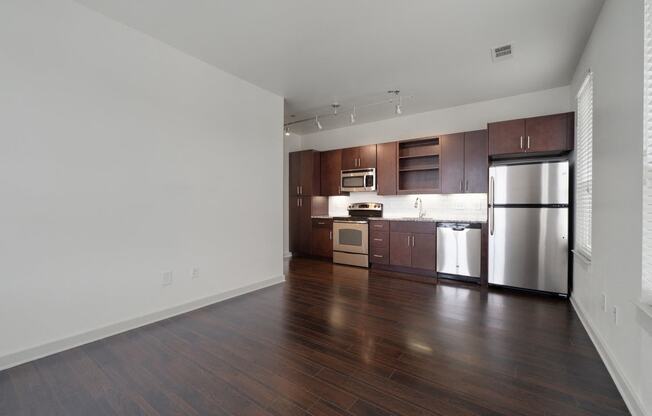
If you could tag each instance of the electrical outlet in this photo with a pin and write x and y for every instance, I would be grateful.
(604, 303)
(166, 279)
(195, 273)
(614, 312)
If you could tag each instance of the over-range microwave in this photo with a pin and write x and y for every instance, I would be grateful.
(358, 180)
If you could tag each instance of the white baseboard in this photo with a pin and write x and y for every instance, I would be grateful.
(40, 351)
(633, 402)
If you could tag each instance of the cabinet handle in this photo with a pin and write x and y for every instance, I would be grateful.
(297, 202)
(412, 241)
(301, 202)
(301, 189)
(467, 185)
(297, 190)
(330, 235)
(379, 256)
(461, 185)
(321, 223)
(528, 142)
(408, 239)
(378, 239)
(521, 142)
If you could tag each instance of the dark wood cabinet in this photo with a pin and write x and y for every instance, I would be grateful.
(413, 244)
(400, 249)
(452, 163)
(331, 167)
(418, 166)
(386, 168)
(464, 162)
(322, 237)
(304, 173)
(359, 157)
(301, 210)
(476, 162)
(424, 251)
(549, 133)
(543, 135)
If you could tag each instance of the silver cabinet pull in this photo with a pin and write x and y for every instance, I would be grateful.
(467, 185)
(408, 241)
(491, 205)
(378, 239)
(321, 223)
(330, 235)
(528, 142)
(412, 241)
(297, 190)
(461, 185)
(379, 256)
(521, 142)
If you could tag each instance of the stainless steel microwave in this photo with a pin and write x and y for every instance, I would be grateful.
(358, 180)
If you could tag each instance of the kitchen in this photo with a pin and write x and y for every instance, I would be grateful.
(496, 212)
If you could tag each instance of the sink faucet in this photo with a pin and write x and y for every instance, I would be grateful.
(418, 203)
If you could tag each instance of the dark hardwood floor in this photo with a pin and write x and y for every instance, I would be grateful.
(333, 340)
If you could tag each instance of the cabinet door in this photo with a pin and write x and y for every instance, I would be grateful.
(505, 137)
(476, 165)
(548, 133)
(294, 172)
(424, 251)
(367, 156)
(350, 158)
(386, 172)
(451, 165)
(331, 167)
(322, 242)
(305, 226)
(294, 224)
(400, 249)
(307, 177)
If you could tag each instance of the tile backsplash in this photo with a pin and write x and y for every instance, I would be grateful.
(456, 207)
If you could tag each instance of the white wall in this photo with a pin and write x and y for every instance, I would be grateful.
(450, 120)
(121, 158)
(615, 55)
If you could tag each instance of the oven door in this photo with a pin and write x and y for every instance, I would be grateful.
(358, 180)
(351, 236)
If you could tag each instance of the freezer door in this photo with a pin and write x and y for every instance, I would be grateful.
(532, 183)
(529, 248)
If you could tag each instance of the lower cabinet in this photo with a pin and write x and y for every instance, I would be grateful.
(322, 237)
(406, 244)
(301, 209)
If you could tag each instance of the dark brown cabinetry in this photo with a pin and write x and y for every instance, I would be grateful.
(331, 167)
(301, 210)
(418, 166)
(386, 168)
(322, 237)
(359, 157)
(379, 242)
(464, 162)
(545, 135)
(304, 173)
(413, 244)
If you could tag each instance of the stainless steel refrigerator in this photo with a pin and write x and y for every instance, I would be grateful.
(528, 225)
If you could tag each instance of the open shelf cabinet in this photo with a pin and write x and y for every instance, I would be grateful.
(418, 166)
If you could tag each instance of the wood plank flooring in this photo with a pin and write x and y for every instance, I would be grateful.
(333, 340)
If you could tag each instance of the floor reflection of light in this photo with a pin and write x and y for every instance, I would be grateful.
(336, 316)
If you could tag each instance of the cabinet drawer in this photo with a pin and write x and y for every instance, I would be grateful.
(379, 239)
(322, 223)
(413, 227)
(379, 255)
(376, 225)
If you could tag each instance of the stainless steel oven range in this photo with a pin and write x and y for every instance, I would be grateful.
(351, 234)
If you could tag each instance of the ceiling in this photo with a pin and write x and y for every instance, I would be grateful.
(315, 53)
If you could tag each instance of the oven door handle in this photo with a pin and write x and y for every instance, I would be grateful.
(350, 222)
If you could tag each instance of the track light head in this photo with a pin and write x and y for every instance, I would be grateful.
(319, 126)
(353, 115)
(287, 131)
(335, 107)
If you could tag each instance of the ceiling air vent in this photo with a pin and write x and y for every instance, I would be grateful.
(502, 52)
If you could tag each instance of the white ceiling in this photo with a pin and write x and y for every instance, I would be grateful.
(352, 51)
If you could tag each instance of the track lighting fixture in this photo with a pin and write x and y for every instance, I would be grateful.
(336, 107)
(353, 115)
(319, 126)
(287, 131)
(398, 108)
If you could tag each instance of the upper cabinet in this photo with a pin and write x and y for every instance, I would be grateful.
(386, 169)
(418, 166)
(359, 157)
(331, 166)
(304, 173)
(545, 134)
(464, 162)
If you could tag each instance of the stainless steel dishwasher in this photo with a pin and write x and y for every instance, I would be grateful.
(458, 250)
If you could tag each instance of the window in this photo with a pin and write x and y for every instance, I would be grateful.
(584, 172)
(647, 158)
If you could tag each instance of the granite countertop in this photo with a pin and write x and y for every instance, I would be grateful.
(415, 219)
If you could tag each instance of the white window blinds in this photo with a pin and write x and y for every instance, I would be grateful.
(647, 159)
(584, 168)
